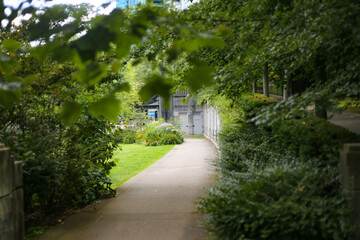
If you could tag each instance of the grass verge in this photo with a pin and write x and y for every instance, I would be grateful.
(133, 158)
(350, 105)
(194, 136)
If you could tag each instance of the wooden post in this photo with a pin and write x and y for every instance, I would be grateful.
(350, 180)
(266, 80)
(11, 197)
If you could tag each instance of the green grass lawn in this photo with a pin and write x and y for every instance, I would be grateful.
(194, 136)
(133, 158)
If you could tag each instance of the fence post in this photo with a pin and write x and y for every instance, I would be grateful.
(350, 180)
(11, 197)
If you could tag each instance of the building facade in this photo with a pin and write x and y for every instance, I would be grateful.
(128, 3)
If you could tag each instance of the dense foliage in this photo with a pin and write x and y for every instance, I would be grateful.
(279, 181)
(46, 121)
(152, 133)
(61, 81)
(310, 45)
(163, 133)
(65, 165)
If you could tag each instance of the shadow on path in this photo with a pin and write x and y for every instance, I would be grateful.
(156, 204)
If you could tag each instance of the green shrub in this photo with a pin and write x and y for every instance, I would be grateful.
(247, 148)
(161, 133)
(63, 167)
(249, 103)
(310, 137)
(276, 186)
(170, 139)
(130, 138)
(291, 201)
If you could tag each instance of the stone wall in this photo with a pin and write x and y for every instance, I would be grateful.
(350, 180)
(11, 197)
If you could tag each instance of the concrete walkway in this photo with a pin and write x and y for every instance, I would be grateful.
(350, 121)
(347, 120)
(156, 204)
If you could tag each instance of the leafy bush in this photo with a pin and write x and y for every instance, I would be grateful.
(132, 127)
(290, 201)
(310, 137)
(129, 134)
(170, 139)
(161, 133)
(245, 148)
(278, 180)
(129, 138)
(249, 103)
(65, 165)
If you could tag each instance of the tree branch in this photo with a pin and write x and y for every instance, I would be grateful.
(228, 20)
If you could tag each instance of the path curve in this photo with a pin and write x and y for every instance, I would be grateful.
(157, 204)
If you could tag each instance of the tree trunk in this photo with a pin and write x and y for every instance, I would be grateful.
(254, 86)
(190, 113)
(266, 80)
(320, 77)
(287, 86)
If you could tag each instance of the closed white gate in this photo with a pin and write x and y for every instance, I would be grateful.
(184, 122)
(198, 124)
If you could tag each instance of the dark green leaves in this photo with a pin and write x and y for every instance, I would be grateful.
(70, 112)
(90, 74)
(123, 44)
(157, 85)
(9, 97)
(108, 107)
(96, 39)
(203, 40)
(200, 76)
(11, 45)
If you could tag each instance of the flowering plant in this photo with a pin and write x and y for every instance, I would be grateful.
(163, 133)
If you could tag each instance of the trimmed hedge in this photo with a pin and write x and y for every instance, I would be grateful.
(310, 137)
(279, 181)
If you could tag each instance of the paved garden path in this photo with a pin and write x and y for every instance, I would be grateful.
(347, 120)
(350, 121)
(156, 204)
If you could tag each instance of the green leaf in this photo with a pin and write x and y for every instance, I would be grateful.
(96, 39)
(12, 80)
(116, 65)
(200, 76)
(122, 87)
(108, 107)
(42, 51)
(183, 101)
(63, 53)
(9, 97)
(223, 31)
(124, 42)
(70, 112)
(195, 44)
(157, 85)
(11, 45)
(30, 79)
(40, 29)
(91, 74)
(7, 64)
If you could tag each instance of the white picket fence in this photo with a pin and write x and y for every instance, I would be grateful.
(212, 124)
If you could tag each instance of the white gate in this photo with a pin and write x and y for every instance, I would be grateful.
(198, 125)
(184, 122)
